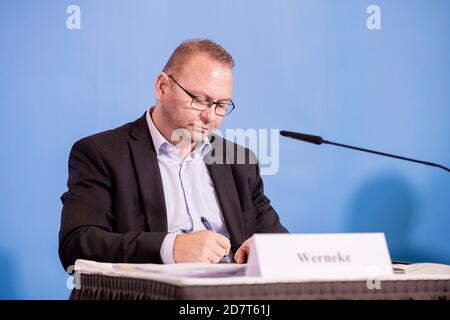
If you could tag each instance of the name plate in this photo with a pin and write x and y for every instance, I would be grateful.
(319, 256)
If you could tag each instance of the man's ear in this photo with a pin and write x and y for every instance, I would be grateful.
(162, 83)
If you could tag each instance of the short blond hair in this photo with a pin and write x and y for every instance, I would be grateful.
(188, 48)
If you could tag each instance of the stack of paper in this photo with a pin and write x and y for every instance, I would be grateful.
(193, 270)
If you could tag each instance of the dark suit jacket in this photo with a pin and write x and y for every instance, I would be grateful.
(114, 209)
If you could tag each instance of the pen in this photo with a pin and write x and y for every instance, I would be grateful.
(208, 226)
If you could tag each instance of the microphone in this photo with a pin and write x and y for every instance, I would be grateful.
(319, 140)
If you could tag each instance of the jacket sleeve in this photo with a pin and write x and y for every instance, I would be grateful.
(87, 219)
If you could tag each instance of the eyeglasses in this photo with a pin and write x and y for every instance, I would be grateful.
(203, 103)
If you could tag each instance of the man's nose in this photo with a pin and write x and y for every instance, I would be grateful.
(209, 115)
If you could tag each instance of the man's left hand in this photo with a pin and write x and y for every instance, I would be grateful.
(241, 254)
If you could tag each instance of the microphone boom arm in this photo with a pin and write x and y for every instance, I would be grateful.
(319, 140)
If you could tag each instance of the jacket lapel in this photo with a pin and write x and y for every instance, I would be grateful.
(223, 181)
(148, 175)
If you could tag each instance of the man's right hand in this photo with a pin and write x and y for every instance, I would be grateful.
(200, 246)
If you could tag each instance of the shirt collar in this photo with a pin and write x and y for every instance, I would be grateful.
(162, 146)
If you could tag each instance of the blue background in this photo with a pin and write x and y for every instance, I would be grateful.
(309, 66)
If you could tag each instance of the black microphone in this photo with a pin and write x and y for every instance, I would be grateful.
(319, 140)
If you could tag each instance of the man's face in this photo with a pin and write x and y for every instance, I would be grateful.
(204, 77)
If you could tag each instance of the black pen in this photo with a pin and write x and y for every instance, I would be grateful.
(208, 226)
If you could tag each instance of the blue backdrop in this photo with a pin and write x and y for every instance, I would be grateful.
(311, 66)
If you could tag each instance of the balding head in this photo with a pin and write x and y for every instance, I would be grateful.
(190, 48)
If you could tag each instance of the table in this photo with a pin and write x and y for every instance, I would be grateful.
(103, 287)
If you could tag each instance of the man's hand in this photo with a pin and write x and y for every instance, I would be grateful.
(243, 251)
(200, 246)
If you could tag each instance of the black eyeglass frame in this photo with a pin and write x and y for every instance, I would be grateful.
(210, 101)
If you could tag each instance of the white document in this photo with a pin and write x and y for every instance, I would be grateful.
(197, 270)
(423, 269)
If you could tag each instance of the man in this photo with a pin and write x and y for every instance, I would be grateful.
(164, 188)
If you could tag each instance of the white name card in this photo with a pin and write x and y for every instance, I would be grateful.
(319, 256)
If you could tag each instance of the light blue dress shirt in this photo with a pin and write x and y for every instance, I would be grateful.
(188, 190)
